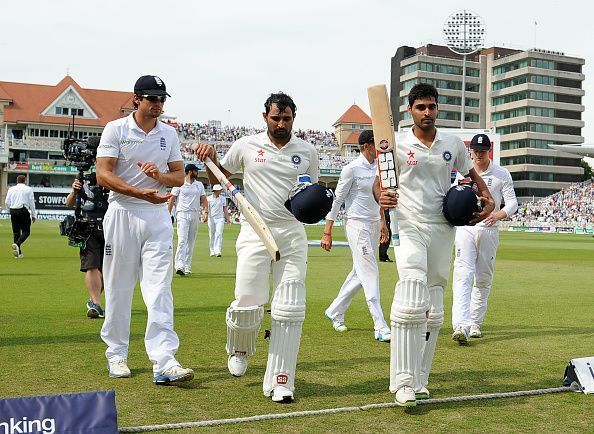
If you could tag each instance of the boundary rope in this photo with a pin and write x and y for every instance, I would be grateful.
(271, 416)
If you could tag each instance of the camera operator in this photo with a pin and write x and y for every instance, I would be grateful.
(91, 254)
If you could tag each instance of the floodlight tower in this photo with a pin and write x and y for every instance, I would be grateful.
(464, 34)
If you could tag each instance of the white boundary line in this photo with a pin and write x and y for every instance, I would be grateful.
(271, 416)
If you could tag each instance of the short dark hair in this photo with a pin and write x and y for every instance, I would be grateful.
(282, 101)
(422, 90)
(21, 179)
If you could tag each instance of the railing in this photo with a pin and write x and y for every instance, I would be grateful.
(42, 144)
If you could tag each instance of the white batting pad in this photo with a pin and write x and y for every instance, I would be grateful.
(243, 324)
(288, 313)
(409, 327)
(434, 323)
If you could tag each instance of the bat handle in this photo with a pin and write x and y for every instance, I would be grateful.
(394, 227)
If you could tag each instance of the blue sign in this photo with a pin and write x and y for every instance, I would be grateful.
(89, 413)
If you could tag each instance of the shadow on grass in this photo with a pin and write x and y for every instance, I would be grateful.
(22, 274)
(497, 333)
(188, 310)
(83, 338)
(206, 276)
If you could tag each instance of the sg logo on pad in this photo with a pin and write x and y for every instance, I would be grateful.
(282, 379)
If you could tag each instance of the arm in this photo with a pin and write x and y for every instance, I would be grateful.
(384, 234)
(511, 203)
(204, 206)
(32, 206)
(342, 189)
(170, 203)
(106, 178)
(484, 195)
(226, 213)
(8, 200)
(71, 198)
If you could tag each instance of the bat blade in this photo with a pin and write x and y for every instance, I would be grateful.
(247, 210)
(385, 146)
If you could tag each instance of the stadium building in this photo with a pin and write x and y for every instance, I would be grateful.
(532, 98)
(34, 121)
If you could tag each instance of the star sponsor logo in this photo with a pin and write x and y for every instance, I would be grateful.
(260, 157)
(411, 159)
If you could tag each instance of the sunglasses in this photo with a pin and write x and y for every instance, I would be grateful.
(153, 98)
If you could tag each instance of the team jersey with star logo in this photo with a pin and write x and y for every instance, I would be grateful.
(125, 140)
(269, 173)
(424, 174)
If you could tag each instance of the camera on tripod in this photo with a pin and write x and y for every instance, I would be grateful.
(91, 199)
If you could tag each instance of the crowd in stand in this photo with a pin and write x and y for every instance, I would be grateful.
(572, 206)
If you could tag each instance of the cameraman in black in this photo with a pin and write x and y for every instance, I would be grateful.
(93, 205)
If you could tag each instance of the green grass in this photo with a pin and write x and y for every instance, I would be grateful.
(540, 316)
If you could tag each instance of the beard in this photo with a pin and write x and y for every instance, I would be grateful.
(280, 133)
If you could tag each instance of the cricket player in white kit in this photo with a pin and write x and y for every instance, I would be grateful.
(217, 210)
(364, 221)
(476, 246)
(188, 199)
(137, 158)
(425, 158)
(271, 162)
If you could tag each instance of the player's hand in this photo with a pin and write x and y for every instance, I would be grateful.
(488, 207)
(491, 219)
(388, 199)
(149, 169)
(203, 150)
(76, 185)
(384, 235)
(204, 217)
(326, 242)
(153, 196)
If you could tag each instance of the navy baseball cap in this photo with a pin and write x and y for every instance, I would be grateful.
(480, 142)
(365, 137)
(190, 167)
(311, 204)
(150, 85)
(459, 205)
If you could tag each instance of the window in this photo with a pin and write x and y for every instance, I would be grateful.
(58, 110)
(410, 68)
(541, 63)
(502, 69)
(543, 79)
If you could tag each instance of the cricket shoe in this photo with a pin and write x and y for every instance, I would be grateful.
(383, 335)
(422, 393)
(338, 324)
(94, 310)
(237, 364)
(460, 336)
(282, 394)
(174, 374)
(118, 368)
(180, 272)
(405, 397)
(16, 250)
(187, 271)
(475, 332)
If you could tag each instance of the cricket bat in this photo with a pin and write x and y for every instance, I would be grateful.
(385, 147)
(247, 210)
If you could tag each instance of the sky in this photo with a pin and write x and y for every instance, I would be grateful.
(221, 59)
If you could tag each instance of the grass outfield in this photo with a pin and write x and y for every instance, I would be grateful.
(540, 316)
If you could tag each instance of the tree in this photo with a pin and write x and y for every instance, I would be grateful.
(587, 170)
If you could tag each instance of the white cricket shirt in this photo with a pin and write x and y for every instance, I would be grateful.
(20, 196)
(124, 139)
(215, 207)
(424, 174)
(269, 173)
(501, 186)
(355, 190)
(188, 196)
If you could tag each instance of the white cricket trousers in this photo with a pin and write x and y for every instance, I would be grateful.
(187, 227)
(363, 238)
(476, 248)
(215, 234)
(138, 243)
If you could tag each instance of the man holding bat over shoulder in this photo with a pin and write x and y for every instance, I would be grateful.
(425, 158)
(272, 163)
